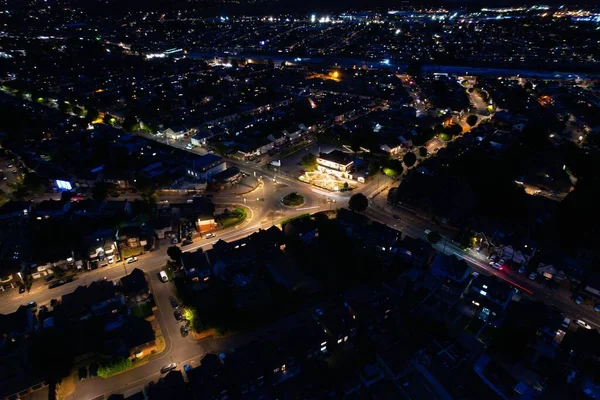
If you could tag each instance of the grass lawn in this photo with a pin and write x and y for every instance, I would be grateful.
(232, 218)
(142, 310)
(131, 252)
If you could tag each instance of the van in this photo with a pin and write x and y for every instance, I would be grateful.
(163, 276)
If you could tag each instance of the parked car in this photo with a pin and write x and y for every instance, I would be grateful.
(395, 216)
(522, 269)
(184, 331)
(168, 367)
(174, 241)
(578, 300)
(31, 304)
(177, 315)
(427, 231)
(583, 324)
(210, 235)
(173, 302)
(565, 323)
(532, 276)
(597, 307)
(131, 260)
(163, 276)
(48, 278)
(186, 242)
(187, 368)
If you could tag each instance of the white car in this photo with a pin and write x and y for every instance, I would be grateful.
(427, 231)
(163, 276)
(210, 235)
(111, 259)
(131, 260)
(532, 276)
(583, 324)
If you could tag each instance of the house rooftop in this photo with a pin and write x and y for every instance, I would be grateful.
(134, 282)
(336, 156)
(204, 162)
(50, 205)
(450, 266)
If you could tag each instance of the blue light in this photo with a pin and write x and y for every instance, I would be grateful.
(63, 185)
(262, 42)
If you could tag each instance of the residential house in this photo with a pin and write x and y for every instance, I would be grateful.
(201, 138)
(15, 210)
(335, 163)
(53, 208)
(488, 297)
(303, 228)
(229, 177)
(392, 146)
(454, 275)
(354, 223)
(162, 226)
(339, 325)
(383, 237)
(294, 132)
(138, 337)
(102, 251)
(254, 148)
(176, 132)
(202, 168)
(88, 208)
(196, 265)
(279, 138)
(171, 386)
(99, 298)
(17, 325)
(118, 208)
(417, 252)
(130, 237)
(134, 287)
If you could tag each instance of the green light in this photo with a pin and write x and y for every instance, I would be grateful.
(98, 38)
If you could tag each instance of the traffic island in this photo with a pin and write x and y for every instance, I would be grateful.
(293, 200)
(231, 217)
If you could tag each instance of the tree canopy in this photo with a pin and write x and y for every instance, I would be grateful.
(409, 159)
(358, 202)
(174, 253)
(472, 120)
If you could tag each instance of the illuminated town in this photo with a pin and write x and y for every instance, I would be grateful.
(260, 200)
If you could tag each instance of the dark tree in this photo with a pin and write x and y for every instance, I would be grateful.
(422, 152)
(373, 167)
(100, 191)
(52, 355)
(433, 237)
(65, 107)
(409, 159)
(358, 202)
(472, 120)
(174, 253)
(130, 122)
